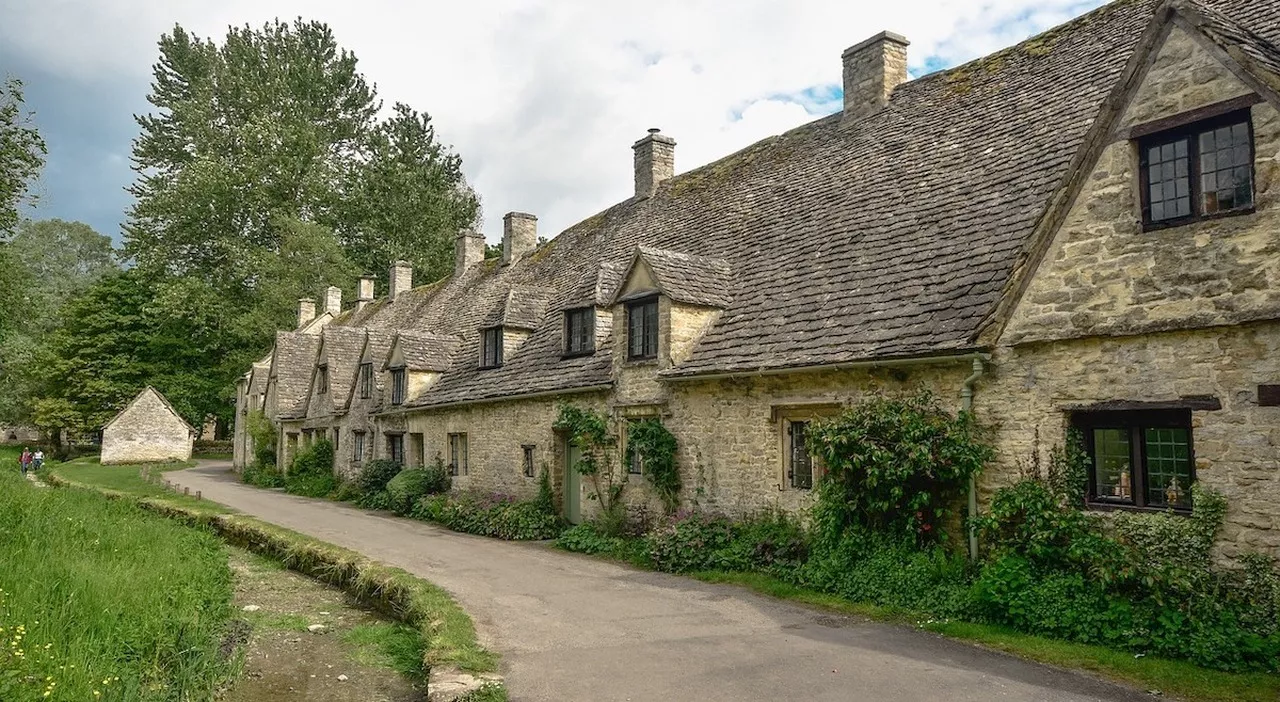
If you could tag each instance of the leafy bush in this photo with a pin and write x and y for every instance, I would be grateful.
(1143, 582)
(690, 542)
(375, 475)
(347, 491)
(374, 500)
(263, 433)
(409, 485)
(311, 474)
(586, 538)
(264, 475)
(894, 466)
(491, 515)
(890, 570)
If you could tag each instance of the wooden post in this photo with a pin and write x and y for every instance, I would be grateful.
(186, 491)
(197, 494)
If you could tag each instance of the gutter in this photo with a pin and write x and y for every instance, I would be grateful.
(849, 365)
(966, 406)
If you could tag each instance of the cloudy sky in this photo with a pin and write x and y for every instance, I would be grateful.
(542, 98)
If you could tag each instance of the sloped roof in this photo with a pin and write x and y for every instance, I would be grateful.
(258, 377)
(889, 236)
(698, 280)
(291, 365)
(424, 351)
(524, 307)
(159, 396)
(342, 347)
(1251, 50)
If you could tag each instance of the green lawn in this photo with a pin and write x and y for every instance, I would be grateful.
(128, 479)
(1176, 679)
(101, 600)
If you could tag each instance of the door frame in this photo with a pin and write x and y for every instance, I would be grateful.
(571, 483)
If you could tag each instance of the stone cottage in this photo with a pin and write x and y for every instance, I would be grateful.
(1079, 231)
(147, 430)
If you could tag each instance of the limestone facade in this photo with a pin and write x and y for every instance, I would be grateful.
(1085, 310)
(147, 430)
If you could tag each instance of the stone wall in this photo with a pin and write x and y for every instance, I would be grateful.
(496, 434)
(1104, 275)
(147, 431)
(732, 437)
(1028, 390)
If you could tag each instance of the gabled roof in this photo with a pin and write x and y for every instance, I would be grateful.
(890, 236)
(340, 349)
(523, 308)
(1256, 55)
(291, 367)
(697, 280)
(163, 400)
(423, 351)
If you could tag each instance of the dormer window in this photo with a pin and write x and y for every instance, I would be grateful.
(399, 386)
(322, 379)
(580, 331)
(366, 380)
(1197, 171)
(642, 329)
(491, 347)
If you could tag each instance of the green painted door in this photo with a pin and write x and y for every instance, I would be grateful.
(572, 484)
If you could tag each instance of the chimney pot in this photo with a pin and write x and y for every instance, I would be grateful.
(306, 311)
(401, 279)
(519, 235)
(468, 250)
(655, 159)
(872, 69)
(333, 300)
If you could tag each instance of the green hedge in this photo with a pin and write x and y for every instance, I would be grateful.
(491, 515)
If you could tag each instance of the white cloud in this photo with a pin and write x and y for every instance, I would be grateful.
(544, 98)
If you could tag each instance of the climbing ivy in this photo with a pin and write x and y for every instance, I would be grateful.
(656, 446)
(588, 431)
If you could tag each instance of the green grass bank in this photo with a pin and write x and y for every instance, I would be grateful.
(100, 600)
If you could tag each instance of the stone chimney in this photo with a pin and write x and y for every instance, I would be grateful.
(468, 250)
(401, 279)
(306, 311)
(655, 162)
(333, 300)
(364, 291)
(519, 235)
(872, 69)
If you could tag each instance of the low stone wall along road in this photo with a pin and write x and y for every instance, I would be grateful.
(571, 627)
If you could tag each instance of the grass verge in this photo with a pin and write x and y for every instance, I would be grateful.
(447, 632)
(100, 600)
(1177, 679)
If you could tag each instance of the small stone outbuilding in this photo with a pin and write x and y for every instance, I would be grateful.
(147, 430)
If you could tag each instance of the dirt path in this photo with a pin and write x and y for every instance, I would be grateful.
(575, 628)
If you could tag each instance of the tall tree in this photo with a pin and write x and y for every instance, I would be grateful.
(52, 261)
(22, 153)
(264, 173)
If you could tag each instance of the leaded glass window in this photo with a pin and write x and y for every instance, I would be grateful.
(1139, 458)
(1200, 170)
(491, 347)
(642, 329)
(800, 470)
(579, 331)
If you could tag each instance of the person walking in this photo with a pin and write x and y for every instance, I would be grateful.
(25, 460)
(37, 460)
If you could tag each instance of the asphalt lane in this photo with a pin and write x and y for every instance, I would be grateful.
(576, 628)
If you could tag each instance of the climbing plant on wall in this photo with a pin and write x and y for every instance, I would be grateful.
(588, 431)
(656, 447)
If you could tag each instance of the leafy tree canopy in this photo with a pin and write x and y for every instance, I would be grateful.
(22, 153)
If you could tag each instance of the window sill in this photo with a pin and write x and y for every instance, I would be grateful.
(1120, 507)
(1174, 223)
(578, 354)
(644, 361)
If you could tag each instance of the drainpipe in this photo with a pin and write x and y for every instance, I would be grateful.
(966, 405)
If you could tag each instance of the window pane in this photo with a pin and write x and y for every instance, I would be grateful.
(1227, 176)
(651, 329)
(1168, 467)
(1168, 182)
(801, 462)
(1111, 464)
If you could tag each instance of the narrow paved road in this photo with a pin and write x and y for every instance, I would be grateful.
(576, 628)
